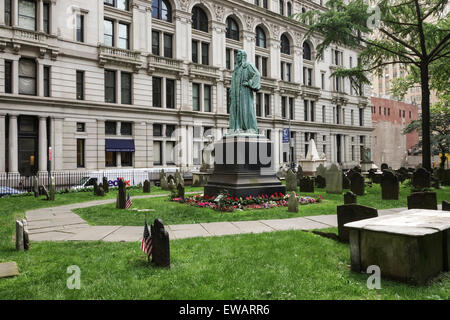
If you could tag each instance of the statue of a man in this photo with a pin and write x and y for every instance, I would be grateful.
(246, 79)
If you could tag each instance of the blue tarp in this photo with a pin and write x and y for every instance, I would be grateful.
(119, 145)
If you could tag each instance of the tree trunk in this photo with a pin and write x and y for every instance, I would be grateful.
(426, 147)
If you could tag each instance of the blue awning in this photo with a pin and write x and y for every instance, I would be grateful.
(119, 145)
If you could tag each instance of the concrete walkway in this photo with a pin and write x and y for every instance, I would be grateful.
(61, 224)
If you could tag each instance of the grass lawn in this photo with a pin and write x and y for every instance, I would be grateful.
(176, 213)
(279, 265)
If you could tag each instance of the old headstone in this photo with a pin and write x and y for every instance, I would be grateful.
(445, 206)
(172, 185)
(321, 170)
(389, 186)
(179, 178)
(35, 187)
(306, 184)
(384, 166)
(105, 185)
(147, 187)
(26, 235)
(422, 200)
(446, 177)
(345, 181)
(95, 189)
(8, 269)
(163, 180)
(333, 177)
(100, 191)
(293, 203)
(121, 195)
(44, 191)
(52, 189)
(19, 236)
(421, 179)
(435, 183)
(350, 174)
(349, 198)
(291, 181)
(180, 191)
(320, 182)
(299, 174)
(161, 244)
(352, 212)
(357, 184)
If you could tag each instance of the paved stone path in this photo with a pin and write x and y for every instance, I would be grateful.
(61, 224)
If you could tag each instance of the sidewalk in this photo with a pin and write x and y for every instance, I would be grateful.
(61, 224)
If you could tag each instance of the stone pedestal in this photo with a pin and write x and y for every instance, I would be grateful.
(243, 166)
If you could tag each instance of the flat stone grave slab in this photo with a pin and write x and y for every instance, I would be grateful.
(411, 246)
(8, 269)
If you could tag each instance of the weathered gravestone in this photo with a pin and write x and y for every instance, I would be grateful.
(352, 212)
(349, 198)
(421, 179)
(293, 203)
(52, 190)
(357, 184)
(35, 187)
(146, 188)
(345, 181)
(445, 206)
(321, 182)
(299, 174)
(291, 181)
(172, 185)
(402, 174)
(100, 191)
(435, 183)
(350, 174)
(43, 190)
(180, 190)
(389, 186)
(446, 178)
(163, 180)
(179, 178)
(95, 188)
(19, 236)
(422, 200)
(321, 170)
(161, 244)
(306, 184)
(384, 166)
(8, 269)
(333, 177)
(121, 195)
(105, 185)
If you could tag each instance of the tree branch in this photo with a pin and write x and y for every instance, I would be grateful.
(439, 47)
(401, 42)
(389, 50)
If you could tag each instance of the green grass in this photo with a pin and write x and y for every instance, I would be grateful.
(279, 265)
(176, 213)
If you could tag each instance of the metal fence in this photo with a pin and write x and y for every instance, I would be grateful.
(66, 180)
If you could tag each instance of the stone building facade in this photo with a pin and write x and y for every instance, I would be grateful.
(141, 84)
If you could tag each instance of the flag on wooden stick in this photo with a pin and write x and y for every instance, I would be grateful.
(147, 241)
(129, 202)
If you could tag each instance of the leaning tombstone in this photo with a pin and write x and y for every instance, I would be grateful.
(421, 179)
(52, 189)
(389, 186)
(105, 185)
(161, 244)
(35, 187)
(293, 203)
(147, 187)
(445, 206)
(422, 200)
(357, 184)
(19, 236)
(333, 177)
(121, 195)
(352, 212)
(291, 181)
(306, 184)
(350, 198)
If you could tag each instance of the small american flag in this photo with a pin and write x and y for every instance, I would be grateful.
(129, 202)
(147, 241)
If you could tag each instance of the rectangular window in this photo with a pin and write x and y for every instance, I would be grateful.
(228, 59)
(8, 76)
(46, 81)
(119, 4)
(291, 108)
(157, 130)
(283, 107)
(361, 117)
(288, 72)
(8, 13)
(156, 84)
(305, 110)
(170, 152)
(157, 160)
(126, 159)
(170, 129)
(266, 105)
(207, 98)
(126, 128)
(46, 16)
(110, 128)
(170, 93)
(126, 87)
(80, 28)
(80, 153)
(27, 77)
(27, 14)
(155, 43)
(168, 52)
(324, 114)
(110, 159)
(205, 53)
(264, 66)
(312, 108)
(195, 97)
(322, 77)
(282, 70)
(228, 100)
(195, 51)
(80, 85)
(108, 37)
(110, 86)
(124, 36)
(81, 127)
(258, 104)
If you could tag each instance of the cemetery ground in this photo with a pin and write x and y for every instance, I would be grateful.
(275, 265)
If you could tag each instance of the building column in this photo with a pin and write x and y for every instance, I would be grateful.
(15, 76)
(2, 144)
(190, 144)
(119, 159)
(40, 77)
(2, 9)
(42, 144)
(15, 13)
(13, 145)
(40, 16)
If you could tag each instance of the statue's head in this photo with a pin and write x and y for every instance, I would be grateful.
(241, 57)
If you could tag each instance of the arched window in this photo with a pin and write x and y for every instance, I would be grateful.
(162, 10)
(260, 37)
(306, 51)
(282, 7)
(289, 9)
(199, 19)
(232, 29)
(285, 45)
